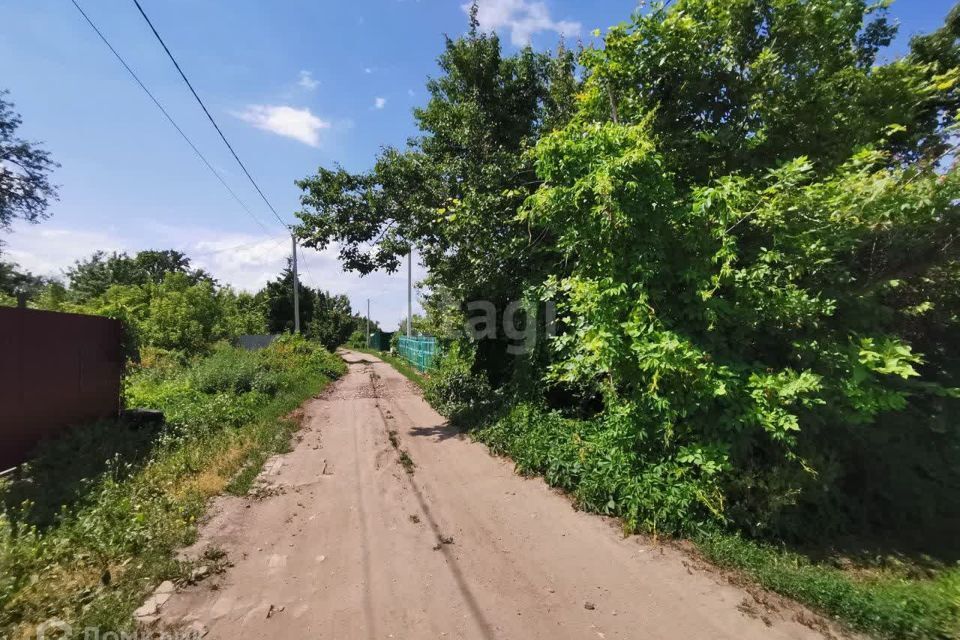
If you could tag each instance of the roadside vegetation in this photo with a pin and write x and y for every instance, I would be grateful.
(746, 216)
(91, 524)
(167, 303)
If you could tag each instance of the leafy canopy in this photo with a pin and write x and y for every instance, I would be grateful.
(25, 189)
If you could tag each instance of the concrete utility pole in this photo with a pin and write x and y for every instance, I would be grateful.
(368, 323)
(296, 288)
(410, 293)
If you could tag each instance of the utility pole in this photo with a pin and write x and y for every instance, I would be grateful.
(296, 288)
(410, 293)
(368, 323)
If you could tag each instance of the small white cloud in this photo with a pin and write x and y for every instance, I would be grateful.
(291, 122)
(379, 103)
(411, 92)
(522, 17)
(368, 70)
(307, 81)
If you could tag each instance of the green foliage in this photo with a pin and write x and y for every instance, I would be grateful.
(14, 281)
(454, 388)
(109, 499)
(454, 191)
(612, 467)
(746, 85)
(324, 317)
(759, 315)
(162, 303)
(25, 189)
(91, 278)
(226, 369)
(358, 339)
(888, 606)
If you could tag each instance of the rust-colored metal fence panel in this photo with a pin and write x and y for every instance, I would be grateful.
(56, 370)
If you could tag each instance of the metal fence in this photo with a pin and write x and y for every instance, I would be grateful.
(380, 340)
(419, 351)
(56, 370)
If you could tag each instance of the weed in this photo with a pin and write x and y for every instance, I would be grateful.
(888, 607)
(407, 462)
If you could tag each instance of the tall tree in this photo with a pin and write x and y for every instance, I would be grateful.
(333, 320)
(453, 193)
(278, 296)
(746, 85)
(92, 277)
(14, 281)
(25, 189)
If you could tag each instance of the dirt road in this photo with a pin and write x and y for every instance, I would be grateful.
(341, 542)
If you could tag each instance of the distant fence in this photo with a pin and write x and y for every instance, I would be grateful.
(419, 351)
(56, 370)
(380, 340)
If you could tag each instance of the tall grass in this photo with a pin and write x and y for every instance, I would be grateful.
(92, 523)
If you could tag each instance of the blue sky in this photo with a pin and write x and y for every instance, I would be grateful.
(294, 84)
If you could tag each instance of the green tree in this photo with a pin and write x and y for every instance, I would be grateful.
(333, 321)
(746, 85)
(14, 281)
(453, 193)
(183, 315)
(25, 189)
(92, 277)
(243, 313)
(278, 298)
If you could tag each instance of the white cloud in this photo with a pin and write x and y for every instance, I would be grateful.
(368, 70)
(248, 262)
(379, 103)
(523, 17)
(244, 261)
(291, 122)
(307, 81)
(47, 251)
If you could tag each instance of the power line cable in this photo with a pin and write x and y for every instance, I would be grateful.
(169, 117)
(209, 117)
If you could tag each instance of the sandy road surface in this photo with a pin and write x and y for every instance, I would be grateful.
(343, 543)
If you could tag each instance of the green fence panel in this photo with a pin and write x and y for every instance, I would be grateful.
(419, 351)
(380, 340)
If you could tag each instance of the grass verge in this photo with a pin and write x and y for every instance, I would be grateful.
(886, 606)
(93, 522)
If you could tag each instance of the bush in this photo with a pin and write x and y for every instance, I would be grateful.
(226, 370)
(454, 388)
(609, 469)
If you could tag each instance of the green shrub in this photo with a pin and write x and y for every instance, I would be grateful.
(454, 388)
(226, 370)
(603, 464)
